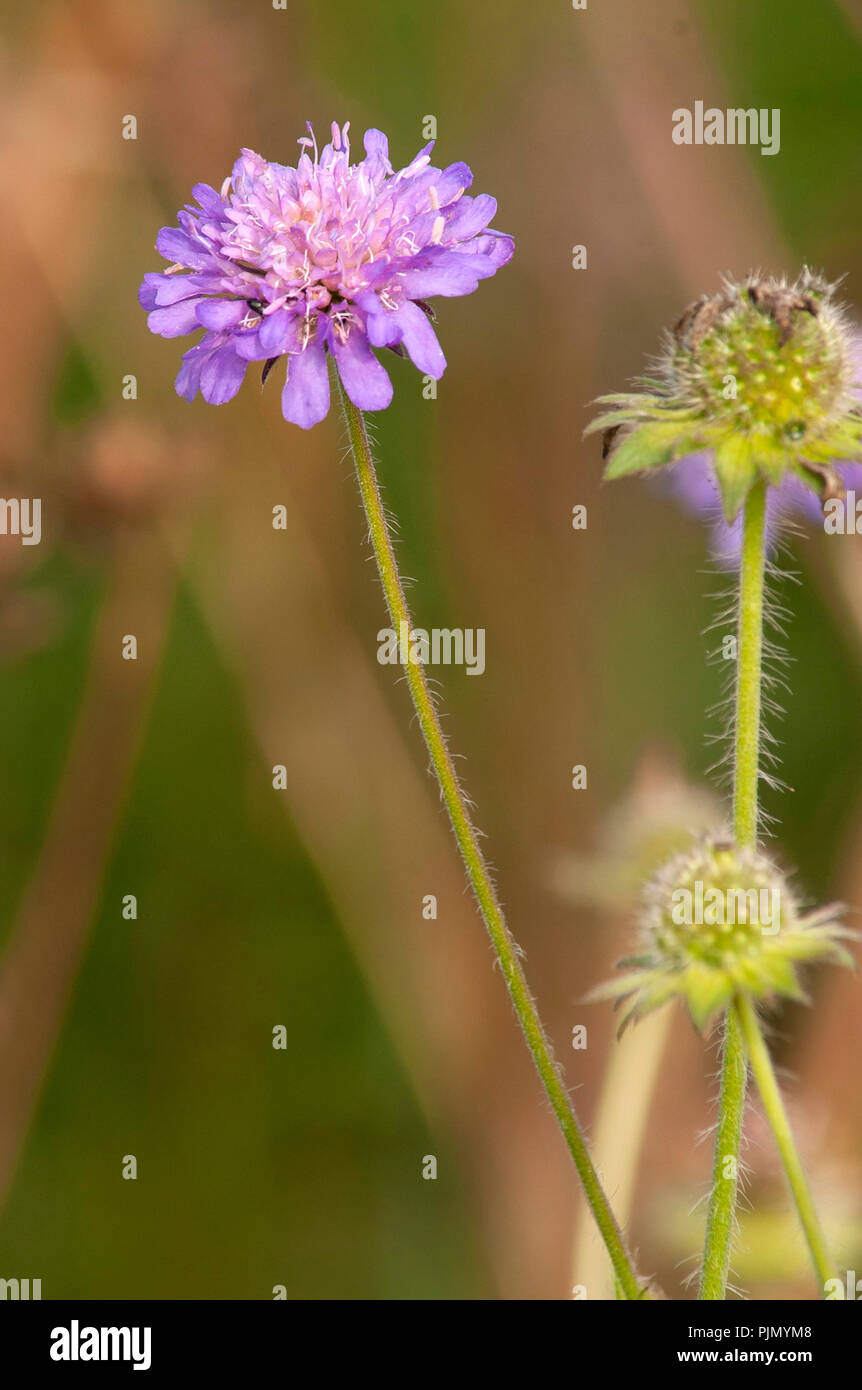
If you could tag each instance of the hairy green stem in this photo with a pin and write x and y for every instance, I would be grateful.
(749, 663)
(773, 1105)
(721, 1217)
(477, 870)
(750, 655)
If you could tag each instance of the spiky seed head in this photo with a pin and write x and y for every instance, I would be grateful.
(718, 920)
(764, 375)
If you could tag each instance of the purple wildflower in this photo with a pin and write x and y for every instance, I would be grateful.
(329, 257)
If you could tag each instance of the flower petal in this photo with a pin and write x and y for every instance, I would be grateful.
(279, 332)
(381, 324)
(364, 379)
(447, 273)
(248, 346)
(208, 200)
(448, 184)
(147, 290)
(222, 375)
(377, 164)
(420, 340)
(495, 248)
(175, 319)
(305, 398)
(188, 379)
(222, 313)
(175, 287)
(174, 245)
(471, 216)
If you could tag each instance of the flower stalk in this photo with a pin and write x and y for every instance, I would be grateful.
(749, 672)
(773, 1105)
(478, 872)
(721, 1217)
(744, 1042)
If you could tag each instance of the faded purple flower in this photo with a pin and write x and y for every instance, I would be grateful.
(692, 482)
(329, 257)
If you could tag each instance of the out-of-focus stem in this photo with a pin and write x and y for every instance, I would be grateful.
(773, 1105)
(49, 936)
(617, 1138)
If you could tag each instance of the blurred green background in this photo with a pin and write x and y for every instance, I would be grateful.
(152, 1037)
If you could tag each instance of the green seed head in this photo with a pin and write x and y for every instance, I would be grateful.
(768, 361)
(715, 903)
(763, 374)
(718, 920)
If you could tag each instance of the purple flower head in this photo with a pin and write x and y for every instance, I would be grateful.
(329, 257)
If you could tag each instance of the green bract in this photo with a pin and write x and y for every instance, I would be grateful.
(763, 375)
(719, 921)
